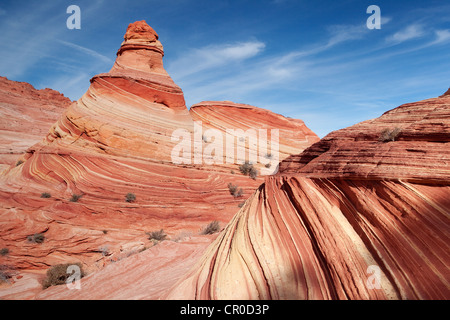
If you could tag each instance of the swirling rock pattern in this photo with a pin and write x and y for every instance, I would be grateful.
(25, 116)
(116, 139)
(351, 217)
(419, 150)
(293, 136)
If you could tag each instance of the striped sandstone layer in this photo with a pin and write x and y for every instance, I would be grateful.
(351, 217)
(293, 136)
(116, 139)
(25, 116)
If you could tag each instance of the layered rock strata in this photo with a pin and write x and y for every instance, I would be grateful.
(104, 175)
(26, 114)
(358, 215)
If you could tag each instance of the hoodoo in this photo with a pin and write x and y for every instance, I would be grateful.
(103, 177)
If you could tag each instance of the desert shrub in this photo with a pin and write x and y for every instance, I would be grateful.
(104, 250)
(45, 195)
(36, 238)
(57, 274)
(247, 169)
(241, 204)
(75, 197)
(389, 134)
(211, 228)
(130, 197)
(253, 173)
(6, 272)
(157, 235)
(4, 251)
(235, 191)
(268, 165)
(18, 163)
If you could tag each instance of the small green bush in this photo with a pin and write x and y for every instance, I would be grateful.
(75, 197)
(57, 274)
(36, 238)
(4, 251)
(46, 195)
(18, 163)
(211, 228)
(157, 235)
(130, 197)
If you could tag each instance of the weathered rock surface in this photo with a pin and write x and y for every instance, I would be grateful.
(115, 140)
(145, 275)
(290, 136)
(420, 150)
(349, 218)
(26, 114)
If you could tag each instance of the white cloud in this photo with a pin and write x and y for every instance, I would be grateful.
(342, 33)
(442, 36)
(239, 51)
(410, 32)
(214, 56)
(385, 20)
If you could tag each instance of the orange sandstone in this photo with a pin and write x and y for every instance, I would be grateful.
(117, 139)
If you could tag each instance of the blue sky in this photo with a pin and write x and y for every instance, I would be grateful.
(312, 60)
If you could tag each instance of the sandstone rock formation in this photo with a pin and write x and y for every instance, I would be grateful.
(26, 114)
(354, 216)
(115, 141)
(419, 152)
(290, 136)
(142, 276)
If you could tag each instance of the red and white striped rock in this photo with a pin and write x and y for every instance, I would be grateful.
(349, 218)
(26, 114)
(117, 139)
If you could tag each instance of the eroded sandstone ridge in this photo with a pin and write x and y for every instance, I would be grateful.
(25, 116)
(103, 176)
(361, 214)
(293, 134)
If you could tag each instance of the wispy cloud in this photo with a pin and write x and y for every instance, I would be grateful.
(411, 32)
(343, 33)
(316, 76)
(87, 51)
(214, 56)
(442, 36)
